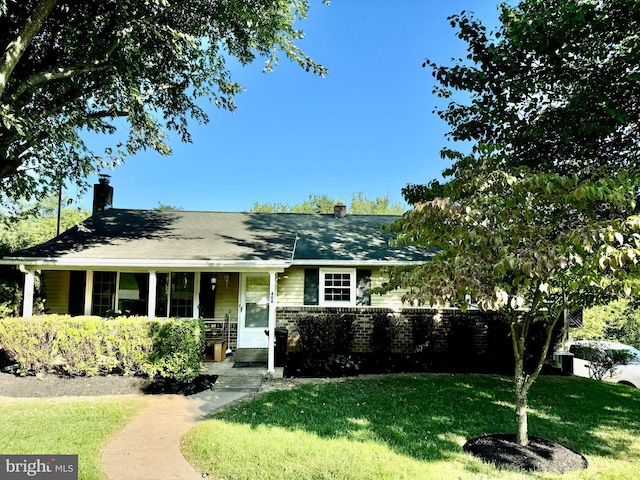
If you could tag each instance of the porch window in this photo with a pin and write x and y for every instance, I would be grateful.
(104, 293)
(133, 292)
(174, 294)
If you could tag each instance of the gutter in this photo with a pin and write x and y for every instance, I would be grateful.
(236, 265)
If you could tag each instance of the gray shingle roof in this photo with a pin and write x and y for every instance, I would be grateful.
(149, 235)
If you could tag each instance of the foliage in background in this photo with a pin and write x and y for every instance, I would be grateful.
(88, 346)
(360, 205)
(10, 298)
(618, 321)
(70, 67)
(36, 223)
(30, 224)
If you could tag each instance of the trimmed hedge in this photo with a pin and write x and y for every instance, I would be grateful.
(88, 346)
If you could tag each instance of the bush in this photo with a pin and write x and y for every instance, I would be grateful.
(80, 346)
(460, 355)
(423, 329)
(602, 361)
(178, 346)
(87, 346)
(10, 298)
(32, 343)
(382, 334)
(325, 344)
(499, 354)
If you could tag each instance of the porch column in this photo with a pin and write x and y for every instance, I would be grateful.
(153, 283)
(88, 288)
(27, 304)
(273, 301)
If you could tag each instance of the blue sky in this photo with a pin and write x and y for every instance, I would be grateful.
(366, 127)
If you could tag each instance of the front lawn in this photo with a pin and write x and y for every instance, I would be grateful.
(64, 426)
(413, 427)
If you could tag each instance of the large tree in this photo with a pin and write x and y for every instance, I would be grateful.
(68, 67)
(540, 214)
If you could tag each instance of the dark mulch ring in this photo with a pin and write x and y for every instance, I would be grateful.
(540, 455)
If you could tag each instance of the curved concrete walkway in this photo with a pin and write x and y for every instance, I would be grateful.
(148, 448)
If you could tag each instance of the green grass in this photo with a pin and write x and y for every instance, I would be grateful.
(64, 426)
(414, 427)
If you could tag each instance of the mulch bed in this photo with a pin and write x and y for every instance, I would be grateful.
(540, 455)
(60, 386)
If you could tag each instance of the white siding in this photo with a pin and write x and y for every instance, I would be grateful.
(291, 289)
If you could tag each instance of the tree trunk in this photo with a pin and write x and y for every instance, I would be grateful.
(522, 435)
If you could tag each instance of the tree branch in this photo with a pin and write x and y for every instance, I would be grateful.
(109, 113)
(16, 48)
(60, 73)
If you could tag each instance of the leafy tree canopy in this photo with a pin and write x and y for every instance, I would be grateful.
(557, 86)
(69, 67)
(541, 215)
(360, 205)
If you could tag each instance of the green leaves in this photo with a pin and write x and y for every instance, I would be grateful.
(147, 61)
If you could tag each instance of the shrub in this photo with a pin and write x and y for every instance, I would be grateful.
(602, 361)
(499, 354)
(460, 345)
(130, 339)
(382, 334)
(92, 345)
(325, 334)
(80, 346)
(325, 342)
(10, 298)
(178, 346)
(423, 329)
(32, 343)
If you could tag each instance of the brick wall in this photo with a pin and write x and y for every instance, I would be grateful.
(286, 317)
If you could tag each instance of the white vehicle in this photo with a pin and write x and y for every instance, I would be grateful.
(599, 359)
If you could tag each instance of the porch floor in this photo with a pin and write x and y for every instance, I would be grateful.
(250, 355)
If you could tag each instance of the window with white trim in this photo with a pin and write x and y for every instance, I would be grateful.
(337, 287)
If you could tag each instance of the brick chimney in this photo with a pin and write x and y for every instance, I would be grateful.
(340, 210)
(102, 194)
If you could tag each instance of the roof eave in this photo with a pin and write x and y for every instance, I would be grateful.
(59, 263)
(358, 263)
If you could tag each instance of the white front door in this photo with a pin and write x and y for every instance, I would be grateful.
(253, 318)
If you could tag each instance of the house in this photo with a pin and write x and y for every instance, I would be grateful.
(248, 272)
